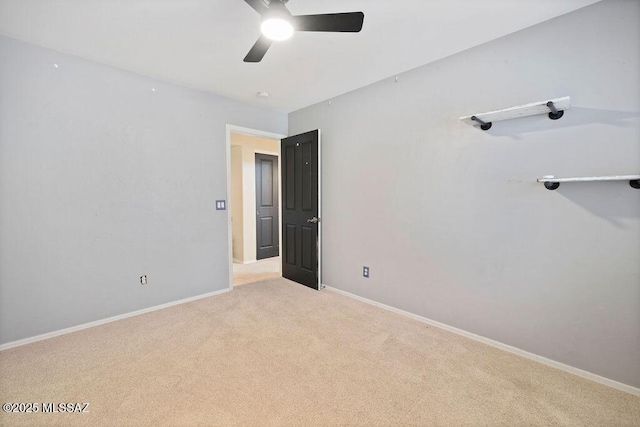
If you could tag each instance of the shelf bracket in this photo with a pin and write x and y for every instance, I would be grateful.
(555, 114)
(635, 183)
(483, 125)
(551, 185)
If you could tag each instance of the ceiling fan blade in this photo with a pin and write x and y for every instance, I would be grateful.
(334, 22)
(258, 6)
(258, 50)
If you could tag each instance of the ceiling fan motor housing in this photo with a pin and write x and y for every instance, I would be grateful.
(276, 10)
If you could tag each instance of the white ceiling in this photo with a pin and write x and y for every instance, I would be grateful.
(201, 43)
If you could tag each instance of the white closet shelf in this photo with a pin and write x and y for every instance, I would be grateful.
(554, 107)
(551, 182)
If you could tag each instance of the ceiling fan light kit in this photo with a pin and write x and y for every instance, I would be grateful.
(278, 24)
(276, 29)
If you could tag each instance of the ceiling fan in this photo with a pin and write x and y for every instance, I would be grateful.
(278, 24)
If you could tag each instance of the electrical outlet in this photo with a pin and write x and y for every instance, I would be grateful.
(143, 280)
(365, 272)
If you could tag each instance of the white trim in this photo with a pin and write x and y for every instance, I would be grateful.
(267, 152)
(250, 132)
(579, 372)
(54, 334)
(251, 261)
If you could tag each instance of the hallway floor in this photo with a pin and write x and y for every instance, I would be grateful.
(268, 268)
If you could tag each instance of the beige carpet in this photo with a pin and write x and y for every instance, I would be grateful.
(278, 353)
(264, 269)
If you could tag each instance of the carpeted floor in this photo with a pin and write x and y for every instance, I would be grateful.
(264, 269)
(278, 353)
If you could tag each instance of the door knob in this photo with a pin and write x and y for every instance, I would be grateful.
(313, 220)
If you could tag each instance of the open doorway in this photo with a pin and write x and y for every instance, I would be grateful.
(254, 205)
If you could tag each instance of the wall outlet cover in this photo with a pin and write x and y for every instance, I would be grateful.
(365, 272)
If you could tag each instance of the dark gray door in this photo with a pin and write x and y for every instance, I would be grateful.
(267, 232)
(300, 188)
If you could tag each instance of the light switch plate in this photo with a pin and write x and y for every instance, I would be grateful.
(221, 205)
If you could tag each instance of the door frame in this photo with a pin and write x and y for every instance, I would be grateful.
(250, 132)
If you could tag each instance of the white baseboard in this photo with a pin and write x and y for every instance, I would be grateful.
(53, 334)
(251, 261)
(579, 372)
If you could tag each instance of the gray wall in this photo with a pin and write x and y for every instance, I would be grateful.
(450, 218)
(102, 181)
